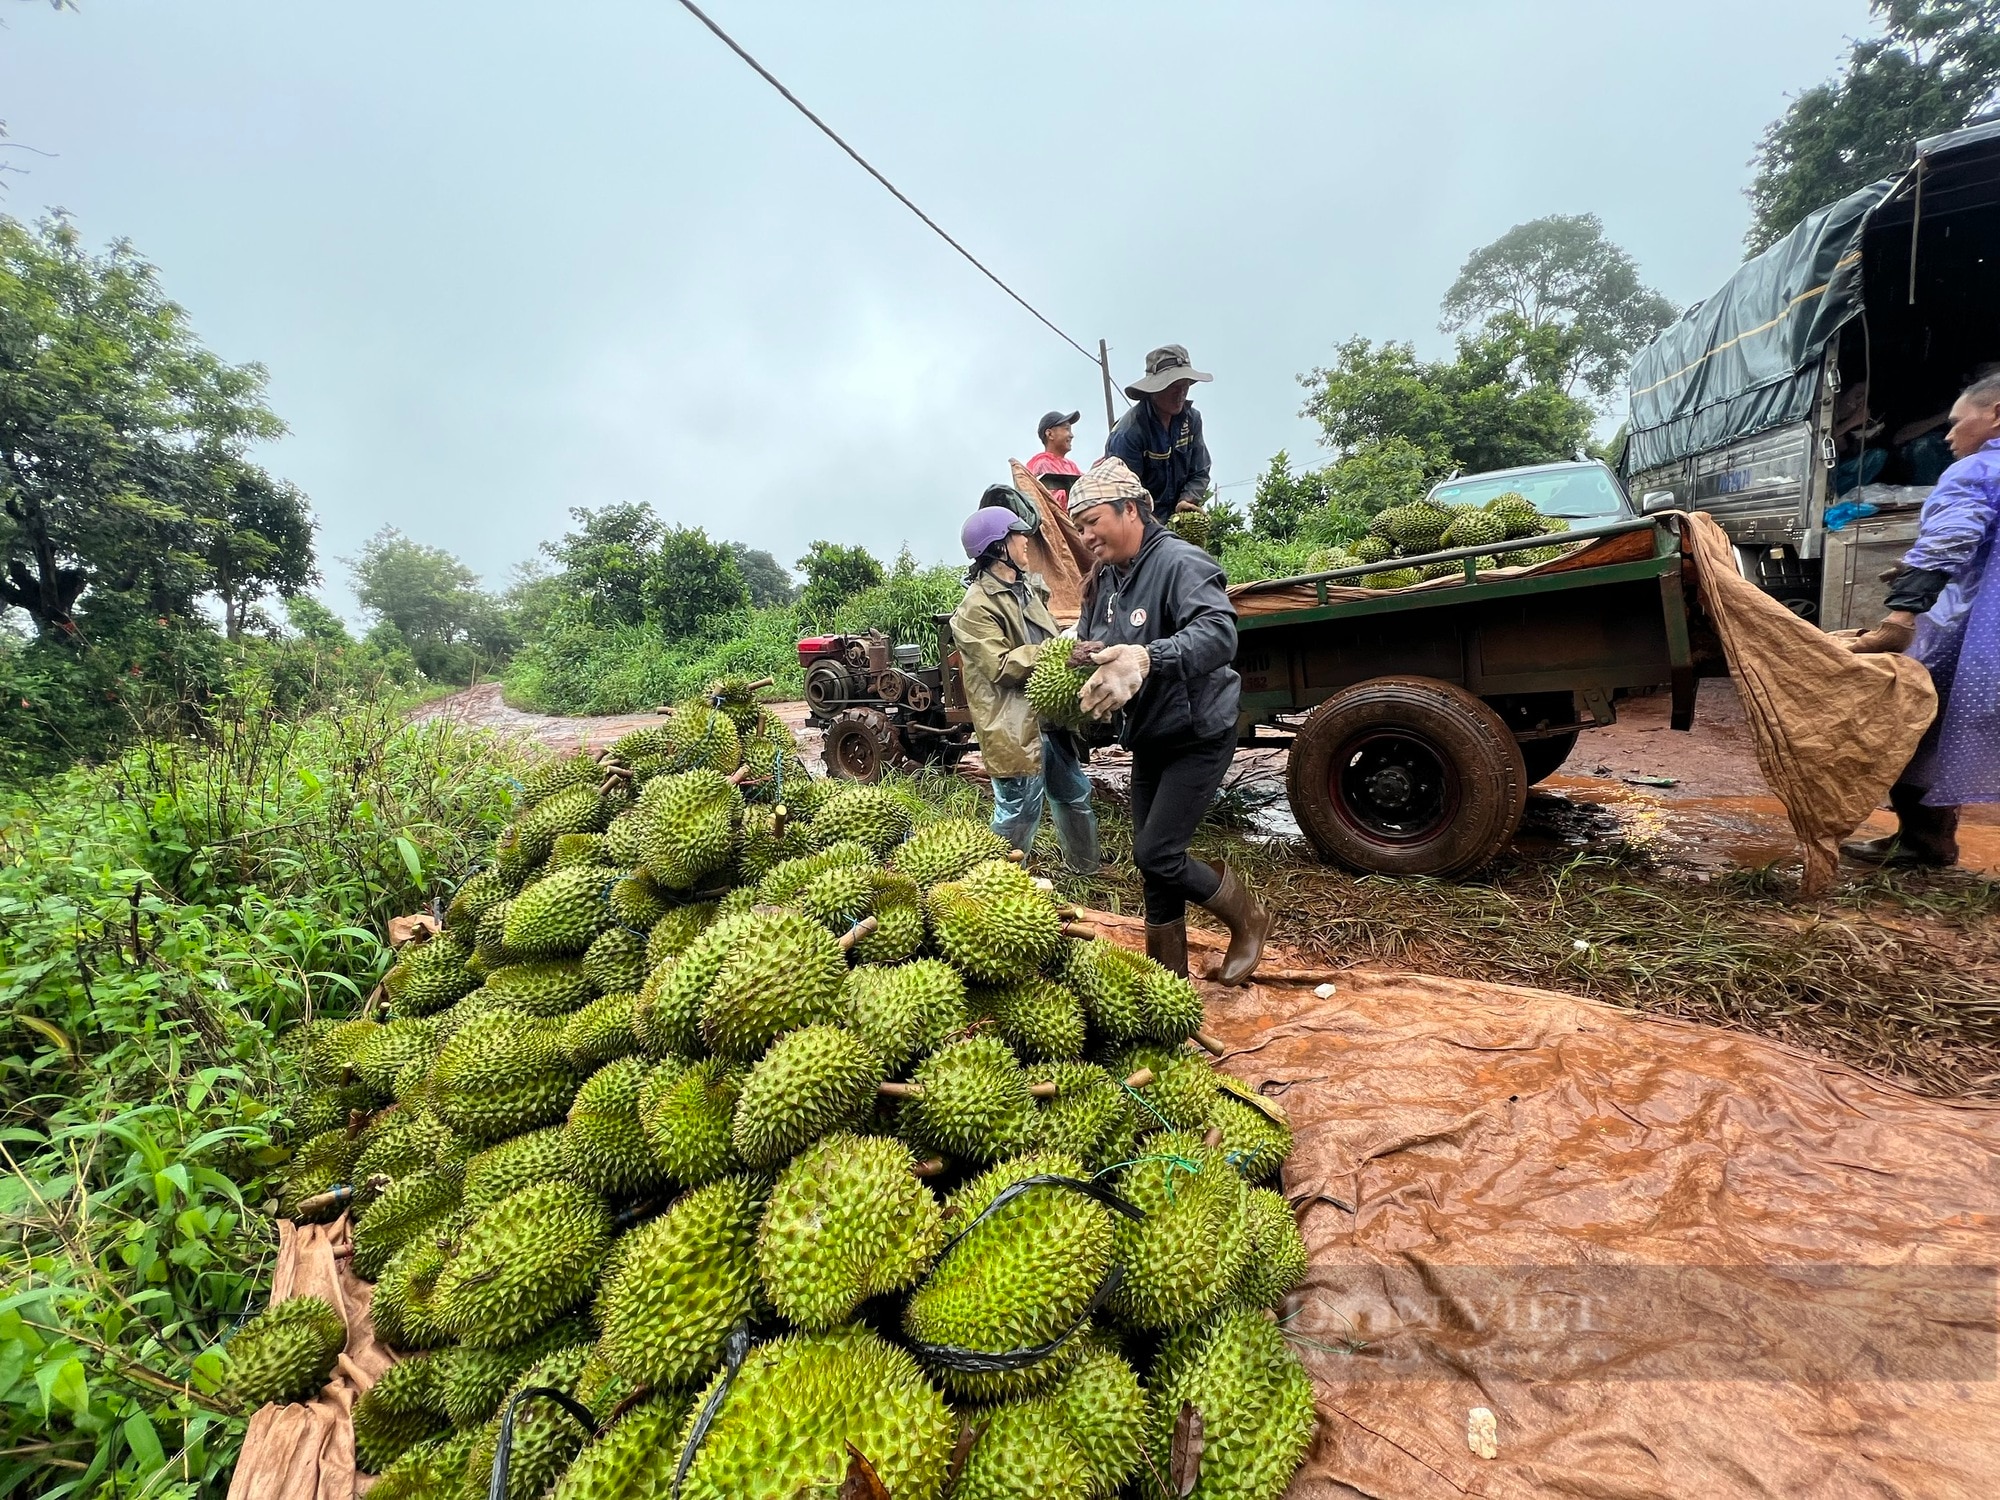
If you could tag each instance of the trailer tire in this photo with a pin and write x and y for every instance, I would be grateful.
(1407, 776)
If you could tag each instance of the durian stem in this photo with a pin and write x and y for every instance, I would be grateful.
(1082, 931)
(856, 933)
(900, 1090)
(931, 1168)
(318, 1203)
(1042, 1090)
(761, 682)
(1139, 1079)
(779, 816)
(738, 776)
(1209, 1043)
(1213, 1138)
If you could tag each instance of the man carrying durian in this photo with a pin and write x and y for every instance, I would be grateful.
(1158, 626)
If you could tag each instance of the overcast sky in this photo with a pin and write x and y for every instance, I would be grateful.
(504, 259)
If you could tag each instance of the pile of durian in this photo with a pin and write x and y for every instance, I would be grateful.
(1410, 531)
(794, 1134)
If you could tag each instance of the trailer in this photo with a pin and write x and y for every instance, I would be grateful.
(1417, 718)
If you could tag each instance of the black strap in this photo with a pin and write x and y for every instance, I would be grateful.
(503, 1450)
(732, 1361)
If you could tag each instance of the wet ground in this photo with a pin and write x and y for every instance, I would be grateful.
(1694, 800)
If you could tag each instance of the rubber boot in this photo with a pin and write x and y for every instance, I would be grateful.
(1248, 925)
(1925, 836)
(1166, 945)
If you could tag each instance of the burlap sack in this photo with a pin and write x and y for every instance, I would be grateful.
(1056, 551)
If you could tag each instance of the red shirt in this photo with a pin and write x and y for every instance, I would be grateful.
(1046, 462)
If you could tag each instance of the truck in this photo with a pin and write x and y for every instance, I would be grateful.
(1803, 405)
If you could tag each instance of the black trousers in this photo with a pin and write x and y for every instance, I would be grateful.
(1173, 781)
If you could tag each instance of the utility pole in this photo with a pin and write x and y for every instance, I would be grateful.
(1104, 364)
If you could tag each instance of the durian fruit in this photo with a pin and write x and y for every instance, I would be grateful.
(1018, 1279)
(677, 927)
(1182, 1093)
(330, 1049)
(946, 850)
(559, 915)
(433, 1469)
(1517, 513)
(688, 826)
(638, 744)
(608, 1151)
(870, 815)
(782, 883)
(571, 849)
(1384, 523)
(837, 899)
(398, 1411)
(1255, 1134)
(1054, 691)
(402, 1309)
(758, 976)
(699, 737)
(666, 1021)
(1256, 1405)
(846, 1221)
(1418, 526)
(321, 1163)
(285, 1353)
(429, 976)
(518, 1162)
(557, 774)
(393, 1047)
(522, 1264)
(322, 1110)
(510, 858)
(576, 809)
(1041, 1019)
(615, 962)
(600, 1033)
(812, 1081)
(735, 696)
(688, 1111)
(995, 925)
(1127, 996)
(412, 1205)
(489, 951)
(398, 1143)
(473, 1382)
(1089, 1116)
(765, 842)
(904, 1010)
(1023, 1452)
(1393, 578)
(1277, 1261)
(547, 1438)
(1102, 1406)
(503, 1073)
(637, 902)
(1374, 549)
(1190, 526)
(1446, 569)
(800, 1403)
(478, 891)
(622, 843)
(682, 1282)
(969, 1099)
(1476, 528)
(539, 986)
(1182, 1258)
(637, 1457)
(1529, 557)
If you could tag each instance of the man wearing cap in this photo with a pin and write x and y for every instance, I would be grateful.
(1057, 432)
(999, 628)
(1160, 439)
(1158, 626)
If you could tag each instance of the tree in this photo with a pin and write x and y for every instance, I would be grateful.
(1561, 272)
(769, 582)
(606, 561)
(1936, 65)
(691, 581)
(1284, 499)
(834, 574)
(425, 599)
(260, 543)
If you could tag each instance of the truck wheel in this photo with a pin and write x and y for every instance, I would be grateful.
(1407, 776)
(858, 743)
(1545, 757)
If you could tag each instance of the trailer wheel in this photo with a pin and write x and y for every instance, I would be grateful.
(1407, 776)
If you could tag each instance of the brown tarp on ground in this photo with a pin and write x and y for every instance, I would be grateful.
(305, 1451)
(1674, 1261)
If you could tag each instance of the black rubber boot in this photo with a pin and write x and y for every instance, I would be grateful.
(1248, 923)
(1925, 837)
(1166, 945)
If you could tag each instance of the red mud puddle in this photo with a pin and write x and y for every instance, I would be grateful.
(1716, 833)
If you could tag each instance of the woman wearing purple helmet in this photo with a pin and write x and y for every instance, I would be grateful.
(999, 628)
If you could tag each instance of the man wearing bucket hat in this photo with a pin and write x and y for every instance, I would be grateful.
(1160, 439)
(1158, 626)
(999, 628)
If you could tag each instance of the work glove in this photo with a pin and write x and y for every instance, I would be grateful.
(1897, 630)
(1121, 671)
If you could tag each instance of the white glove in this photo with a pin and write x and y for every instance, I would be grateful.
(1121, 671)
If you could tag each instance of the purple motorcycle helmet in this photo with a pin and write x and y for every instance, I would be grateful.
(988, 526)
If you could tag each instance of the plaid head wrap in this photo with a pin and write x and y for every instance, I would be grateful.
(1108, 479)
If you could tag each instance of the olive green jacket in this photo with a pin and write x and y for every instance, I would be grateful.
(990, 627)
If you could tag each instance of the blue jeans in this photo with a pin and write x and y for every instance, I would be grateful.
(1017, 806)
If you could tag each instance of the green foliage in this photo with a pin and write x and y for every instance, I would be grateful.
(768, 581)
(834, 574)
(433, 602)
(163, 921)
(691, 582)
(901, 605)
(578, 668)
(1936, 65)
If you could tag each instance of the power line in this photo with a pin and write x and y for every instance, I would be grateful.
(862, 161)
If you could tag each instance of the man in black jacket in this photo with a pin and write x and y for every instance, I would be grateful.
(1158, 626)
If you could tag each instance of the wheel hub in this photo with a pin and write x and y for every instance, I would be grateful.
(1393, 786)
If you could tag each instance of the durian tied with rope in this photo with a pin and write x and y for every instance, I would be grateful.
(837, 899)
(1181, 1260)
(701, 738)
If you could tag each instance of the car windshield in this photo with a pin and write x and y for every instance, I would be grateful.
(1585, 492)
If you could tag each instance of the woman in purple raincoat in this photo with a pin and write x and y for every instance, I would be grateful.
(1941, 615)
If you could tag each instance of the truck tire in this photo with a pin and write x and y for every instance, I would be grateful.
(858, 743)
(1545, 757)
(1407, 776)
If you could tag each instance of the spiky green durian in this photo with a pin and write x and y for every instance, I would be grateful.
(546, 1437)
(539, 986)
(946, 850)
(869, 815)
(798, 1404)
(608, 1150)
(1023, 1452)
(764, 844)
(837, 899)
(758, 976)
(503, 1073)
(1384, 522)
(285, 1353)
(556, 774)
(559, 915)
(1090, 1116)
(688, 1111)
(637, 902)
(575, 809)
(1181, 1259)
(520, 1161)
(321, 1163)
(637, 744)
(904, 1010)
(489, 951)
(1255, 1135)
(736, 697)
(411, 1206)
(473, 1382)
(572, 849)
(996, 925)
(682, 1282)
(1474, 529)
(636, 1457)
(1041, 1019)
(400, 1142)
(1277, 1261)
(401, 1309)
(1018, 1279)
(522, 1264)
(783, 882)
(623, 845)
(1102, 1406)
(812, 1081)
(677, 927)
(479, 891)
(1055, 687)
(387, 1051)
(699, 737)
(600, 1032)
(1256, 1405)
(510, 858)
(322, 1110)
(433, 1469)
(1128, 997)
(1393, 578)
(429, 976)
(403, 1408)
(1417, 527)
(331, 1050)
(1182, 1094)
(972, 1101)
(688, 827)
(1374, 549)
(666, 1021)
(615, 962)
